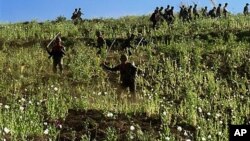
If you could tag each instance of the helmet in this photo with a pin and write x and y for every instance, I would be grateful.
(124, 58)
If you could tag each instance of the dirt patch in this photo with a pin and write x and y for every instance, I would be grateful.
(94, 124)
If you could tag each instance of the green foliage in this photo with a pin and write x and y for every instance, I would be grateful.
(196, 76)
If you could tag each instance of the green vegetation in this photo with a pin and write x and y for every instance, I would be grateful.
(196, 81)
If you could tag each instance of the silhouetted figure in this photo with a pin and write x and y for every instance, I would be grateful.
(161, 11)
(155, 17)
(181, 12)
(190, 12)
(79, 14)
(245, 10)
(212, 13)
(225, 10)
(195, 12)
(185, 15)
(204, 12)
(74, 15)
(166, 10)
(170, 16)
(218, 11)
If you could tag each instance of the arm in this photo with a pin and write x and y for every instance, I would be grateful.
(116, 68)
(136, 69)
(63, 50)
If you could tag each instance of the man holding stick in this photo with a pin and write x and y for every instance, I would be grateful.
(127, 75)
(57, 53)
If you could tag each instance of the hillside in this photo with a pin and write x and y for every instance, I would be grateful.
(195, 81)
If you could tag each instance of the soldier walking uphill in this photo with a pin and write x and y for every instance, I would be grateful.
(184, 15)
(190, 13)
(225, 10)
(155, 17)
(245, 10)
(74, 15)
(218, 11)
(127, 76)
(212, 13)
(169, 15)
(204, 12)
(79, 14)
(57, 54)
(195, 12)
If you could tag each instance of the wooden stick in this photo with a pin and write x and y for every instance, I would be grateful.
(53, 40)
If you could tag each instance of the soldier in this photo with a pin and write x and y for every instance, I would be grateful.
(168, 8)
(161, 12)
(245, 11)
(212, 13)
(170, 17)
(225, 10)
(195, 12)
(100, 41)
(181, 12)
(218, 11)
(57, 53)
(74, 15)
(204, 12)
(79, 14)
(190, 12)
(127, 75)
(185, 16)
(155, 17)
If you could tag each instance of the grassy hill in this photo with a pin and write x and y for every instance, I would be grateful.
(196, 81)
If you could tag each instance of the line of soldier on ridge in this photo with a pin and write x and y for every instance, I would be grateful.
(189, 13)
